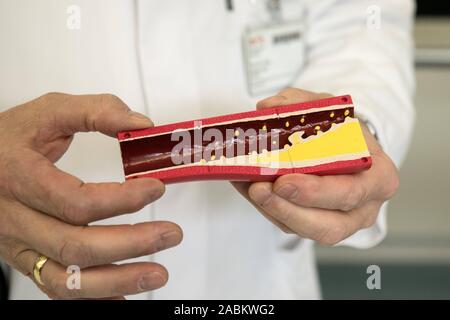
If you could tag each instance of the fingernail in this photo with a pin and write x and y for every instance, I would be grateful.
(261, 194)
(139, 116)
(150, 281)
(171, 239)
(287, 191)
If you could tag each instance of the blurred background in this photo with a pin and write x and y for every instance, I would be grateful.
(415, 257)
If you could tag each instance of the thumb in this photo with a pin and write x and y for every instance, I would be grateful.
(290, 96)
(104, 113)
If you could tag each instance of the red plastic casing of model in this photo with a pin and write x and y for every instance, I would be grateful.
(239, 173)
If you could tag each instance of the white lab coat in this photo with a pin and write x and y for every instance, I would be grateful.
(181, 59)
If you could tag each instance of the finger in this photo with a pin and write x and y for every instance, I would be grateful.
(10, 250)
(121, 280)
(343, 193)
(94, 245)
(97, 245)
(340, 192)
(24, 261)
(36, 182)
(104, 113)
(242, 188)
(325, 226)
(290, 96)
(97, 282)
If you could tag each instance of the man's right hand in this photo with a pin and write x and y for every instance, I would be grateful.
(45, 211)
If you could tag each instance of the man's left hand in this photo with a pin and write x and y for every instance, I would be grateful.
(327, 209)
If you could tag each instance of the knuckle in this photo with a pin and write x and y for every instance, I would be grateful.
(349, 202)
(52, 96)
(108, 99)
(308, 190)
(75, 252)
(392, 186)
(289, 91)
(353, 197)
(52, 99)
(75, 212)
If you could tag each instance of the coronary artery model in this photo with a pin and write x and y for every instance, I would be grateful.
(319, 137)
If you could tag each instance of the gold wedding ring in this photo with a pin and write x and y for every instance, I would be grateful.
(37, 269)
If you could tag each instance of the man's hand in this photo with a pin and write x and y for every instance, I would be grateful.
(325, 209)
(46, 211)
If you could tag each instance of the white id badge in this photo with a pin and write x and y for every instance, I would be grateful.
(273, 56)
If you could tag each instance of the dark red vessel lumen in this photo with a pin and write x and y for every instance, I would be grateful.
(155, 152)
